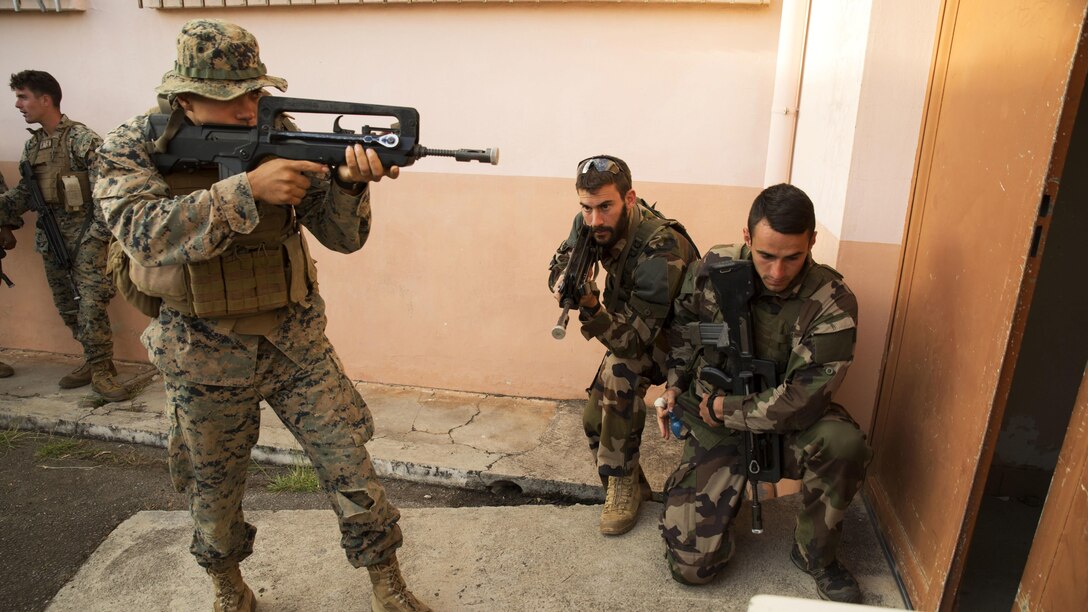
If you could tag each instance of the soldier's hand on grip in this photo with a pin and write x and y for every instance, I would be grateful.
(281, 181)
(664, 405)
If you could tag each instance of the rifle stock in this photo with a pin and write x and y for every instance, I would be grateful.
(237, 149)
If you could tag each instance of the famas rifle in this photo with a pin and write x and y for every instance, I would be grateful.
(571, 286)
(237, 149)
(47, 221)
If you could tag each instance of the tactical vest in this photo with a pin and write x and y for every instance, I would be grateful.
(619, 288)
(51, 159)
(774, 320)
(260, 272)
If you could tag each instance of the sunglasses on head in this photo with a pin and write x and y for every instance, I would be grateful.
(600, 164)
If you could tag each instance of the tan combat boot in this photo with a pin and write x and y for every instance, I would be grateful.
(104, 383)
(621, 503)
(78, 377)
(6, 370)
(390, 593)
(231, 592)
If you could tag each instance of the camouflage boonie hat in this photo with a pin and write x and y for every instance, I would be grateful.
(217, 60)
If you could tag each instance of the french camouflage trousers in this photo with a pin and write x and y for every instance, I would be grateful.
(704, 493)
(615, 414)
(213, 429)
(86, 317)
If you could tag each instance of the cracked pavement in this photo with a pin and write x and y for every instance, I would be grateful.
(453, 438)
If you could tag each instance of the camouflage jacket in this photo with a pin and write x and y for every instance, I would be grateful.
(812, 349)
(640, 292)
(82, 144)
(156, 228)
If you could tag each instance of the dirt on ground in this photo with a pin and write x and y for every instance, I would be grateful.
(60, 497)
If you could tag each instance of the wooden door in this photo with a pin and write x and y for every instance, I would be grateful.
(1054, 578)
(996, 95)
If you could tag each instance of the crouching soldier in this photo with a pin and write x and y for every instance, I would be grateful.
(804, 322)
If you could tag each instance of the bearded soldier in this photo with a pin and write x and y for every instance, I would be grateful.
(645, 256)
(62, 155)
(804, 319)
(259, 332)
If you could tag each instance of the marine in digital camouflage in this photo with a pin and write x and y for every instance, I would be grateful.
(218, 370)
(808, 330)
(84, 233)
(636, 304)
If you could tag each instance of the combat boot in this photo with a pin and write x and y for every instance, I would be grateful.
(621, 503)
(6, 371)
(104, 384)
(231, 592)
(834, 582)
(78, 377)
(390, 593)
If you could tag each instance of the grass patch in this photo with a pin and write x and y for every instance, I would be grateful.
(11, 438)
(301, 479)
(63, 448)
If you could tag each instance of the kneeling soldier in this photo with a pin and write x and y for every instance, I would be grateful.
(804, 321)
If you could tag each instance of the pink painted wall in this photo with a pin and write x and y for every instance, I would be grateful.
(450, 292)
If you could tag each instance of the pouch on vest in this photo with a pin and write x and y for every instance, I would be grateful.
(74, 190)
(118, 266)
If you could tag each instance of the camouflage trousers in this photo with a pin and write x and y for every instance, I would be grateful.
(213, 429)
(703, 495)
(615, 413)
(87, 317)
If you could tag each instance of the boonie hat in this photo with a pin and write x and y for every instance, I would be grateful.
(217, 60)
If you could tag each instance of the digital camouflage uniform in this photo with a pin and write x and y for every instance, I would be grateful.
(85, 235)
(637, 302)
(809, 331)
(218, 370)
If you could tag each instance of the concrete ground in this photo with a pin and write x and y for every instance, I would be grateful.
(488, 558)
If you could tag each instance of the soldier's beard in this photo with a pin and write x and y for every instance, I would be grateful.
(612, 233)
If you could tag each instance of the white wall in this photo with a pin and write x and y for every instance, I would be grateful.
(680, 91)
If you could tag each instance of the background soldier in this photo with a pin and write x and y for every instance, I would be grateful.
(219, 364)
(7, 241)
(804, 319)
(62, 154)
(645, 257)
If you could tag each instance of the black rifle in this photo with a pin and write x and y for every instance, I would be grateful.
(237, 149)
(47, 221)
(734, 285)
(4, 277)
(583, 257)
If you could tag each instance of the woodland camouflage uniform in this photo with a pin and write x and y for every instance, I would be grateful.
(808, 330)
(629, 327)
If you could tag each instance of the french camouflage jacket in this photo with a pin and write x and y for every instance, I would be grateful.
(157, 228)
(82, 143)
(808, 330)
(642, 283)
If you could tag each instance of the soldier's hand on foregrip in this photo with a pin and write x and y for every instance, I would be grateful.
(282, 181)
(364, 166)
